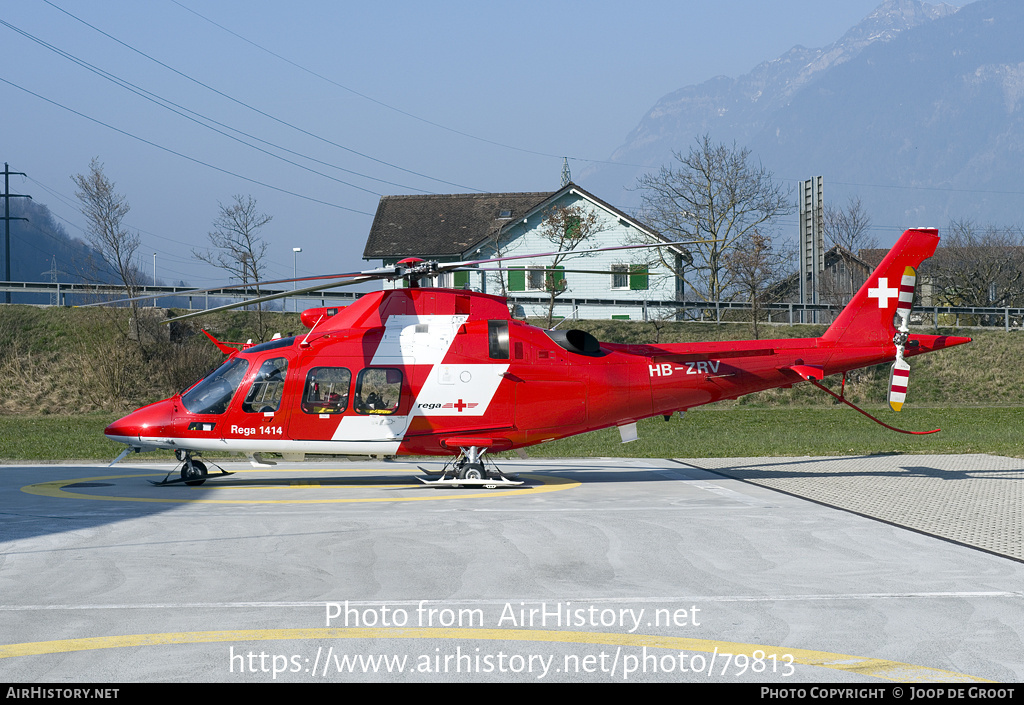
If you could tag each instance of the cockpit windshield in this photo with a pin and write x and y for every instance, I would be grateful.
(213, 394)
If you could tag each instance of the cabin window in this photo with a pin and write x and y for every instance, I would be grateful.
(378, 391)
(497, 339)
(326, 390)
(265, 392)
(213, 394)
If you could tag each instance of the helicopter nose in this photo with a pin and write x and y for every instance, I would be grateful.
(149, 421)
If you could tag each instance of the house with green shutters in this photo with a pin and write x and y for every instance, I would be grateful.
(474, 226)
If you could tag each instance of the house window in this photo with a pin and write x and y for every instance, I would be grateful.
(629, 276)
(620, 276)
(453, 280)
(545, 279)
(572, 227)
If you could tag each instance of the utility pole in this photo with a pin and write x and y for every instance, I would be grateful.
(812, 244)
(7, 196)
(53, 273)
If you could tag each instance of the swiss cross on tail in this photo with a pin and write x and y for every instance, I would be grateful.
(883, 292)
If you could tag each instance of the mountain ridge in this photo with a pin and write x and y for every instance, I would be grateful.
(914, 99)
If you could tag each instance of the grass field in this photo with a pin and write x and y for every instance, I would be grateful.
(708, 432)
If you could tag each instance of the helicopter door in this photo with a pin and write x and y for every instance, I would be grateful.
(325, 398)
(267, 387)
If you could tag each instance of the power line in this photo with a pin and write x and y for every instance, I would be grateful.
(252, 108)
(183, 156)
(381, 103)
(159, 238)
(177, 108)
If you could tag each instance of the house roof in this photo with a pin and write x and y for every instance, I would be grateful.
(872, 257)
(791, 283)
(440, 226)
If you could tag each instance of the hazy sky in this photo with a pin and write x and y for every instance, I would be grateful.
(368, 99)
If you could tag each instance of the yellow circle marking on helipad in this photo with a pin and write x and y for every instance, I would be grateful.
(770, 657)
(55, 488)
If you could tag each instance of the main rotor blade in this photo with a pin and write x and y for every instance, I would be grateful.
(373, 273)
(567, 271)
(447, 266)
(270, 297)
(390, 272)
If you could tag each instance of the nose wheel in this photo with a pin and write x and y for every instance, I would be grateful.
(193, 472)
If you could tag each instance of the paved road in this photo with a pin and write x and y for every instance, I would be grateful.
(597, 570)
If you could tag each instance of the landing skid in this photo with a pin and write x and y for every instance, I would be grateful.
(467, 470)
(491, 484)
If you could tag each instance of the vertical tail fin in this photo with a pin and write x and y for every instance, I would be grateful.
(868, 318)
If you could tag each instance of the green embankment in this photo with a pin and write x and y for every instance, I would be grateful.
(69, 372)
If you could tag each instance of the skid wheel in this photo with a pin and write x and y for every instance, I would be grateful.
(193, 473)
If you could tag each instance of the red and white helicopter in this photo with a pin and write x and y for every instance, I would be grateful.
(446, 372)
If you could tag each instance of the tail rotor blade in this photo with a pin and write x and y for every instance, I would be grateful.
(906, 299)
(899, 378)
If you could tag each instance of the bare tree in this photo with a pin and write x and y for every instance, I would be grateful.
(104, 210)
(755, 265)
(714, 193)
(979, 266)
(500, 246)
(565, 227)
(849, 227)
(238, 247)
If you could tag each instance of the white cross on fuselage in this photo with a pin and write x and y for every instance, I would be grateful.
(883, 292)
